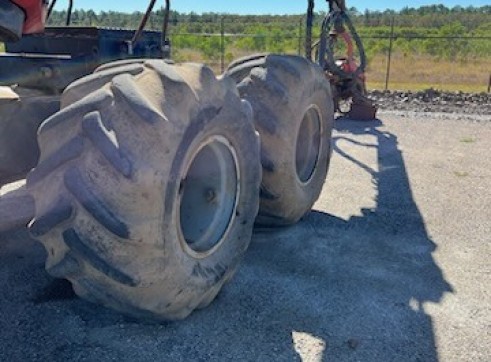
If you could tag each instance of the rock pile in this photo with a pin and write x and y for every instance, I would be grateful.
(432, 100)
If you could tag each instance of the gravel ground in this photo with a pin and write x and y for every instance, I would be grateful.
(391, 265)
(431, 100)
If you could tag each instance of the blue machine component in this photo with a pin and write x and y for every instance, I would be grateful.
(55, 58)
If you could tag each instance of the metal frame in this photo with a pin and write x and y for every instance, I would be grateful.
(69, 11)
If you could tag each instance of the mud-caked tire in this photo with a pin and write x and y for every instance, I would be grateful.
(19, 121)
(146, 190)
(293, 113)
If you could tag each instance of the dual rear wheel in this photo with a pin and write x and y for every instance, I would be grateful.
(147, 187)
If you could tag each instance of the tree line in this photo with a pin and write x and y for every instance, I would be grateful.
(433, 16)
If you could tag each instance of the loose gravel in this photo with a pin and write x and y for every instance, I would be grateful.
(391, 265)
(431, 100)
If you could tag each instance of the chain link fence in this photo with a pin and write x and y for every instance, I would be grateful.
(396, 61)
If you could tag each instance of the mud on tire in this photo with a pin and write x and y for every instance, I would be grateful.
(293, 113)
(146, 191)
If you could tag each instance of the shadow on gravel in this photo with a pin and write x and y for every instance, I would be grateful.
(356, 287)
(337, 289)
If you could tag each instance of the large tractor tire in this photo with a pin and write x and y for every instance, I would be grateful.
(20, 118)
(147, 188)
(293, 113)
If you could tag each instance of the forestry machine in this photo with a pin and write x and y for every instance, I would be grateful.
(147, 176)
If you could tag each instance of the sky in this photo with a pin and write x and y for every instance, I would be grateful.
(255, 6)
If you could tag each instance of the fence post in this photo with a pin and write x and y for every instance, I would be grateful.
(300, 31)
(308, 30)
(222, 44)
(389, 56)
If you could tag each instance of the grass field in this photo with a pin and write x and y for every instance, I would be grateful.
(409, 72)
(423, 72)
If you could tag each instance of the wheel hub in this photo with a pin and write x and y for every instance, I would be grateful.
(208, 195)
(308, 144)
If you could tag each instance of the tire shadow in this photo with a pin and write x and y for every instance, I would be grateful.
(354, 289)
(326, 288)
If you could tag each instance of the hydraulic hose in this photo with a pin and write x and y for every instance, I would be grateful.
(326, 52)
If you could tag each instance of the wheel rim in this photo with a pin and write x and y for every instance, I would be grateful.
(208, 195)
(308, 144)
